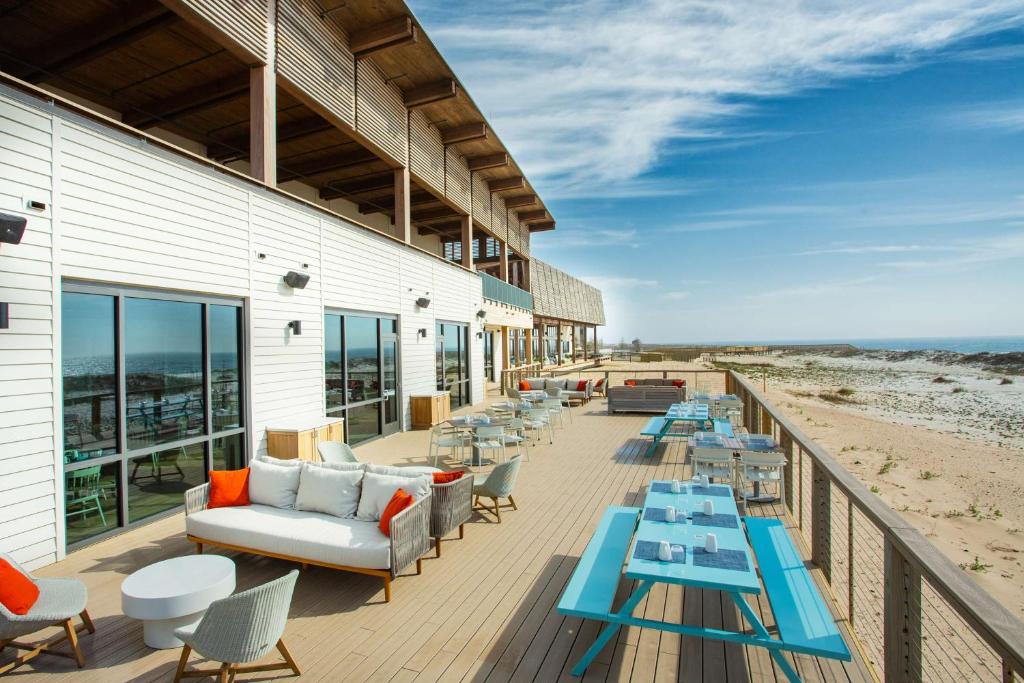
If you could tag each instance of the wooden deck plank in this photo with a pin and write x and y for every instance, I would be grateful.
(484, 611)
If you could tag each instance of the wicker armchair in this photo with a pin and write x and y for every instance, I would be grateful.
(60, 600)
(241, 629)
(498, 484)
(451, 507)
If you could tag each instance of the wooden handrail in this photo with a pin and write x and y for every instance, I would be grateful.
(992, 622)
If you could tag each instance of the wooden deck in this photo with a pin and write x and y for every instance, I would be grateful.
(485, 611)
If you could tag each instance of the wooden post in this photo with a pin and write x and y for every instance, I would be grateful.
(502, 261)
(584, 330)
(902, 634)
(467, 241)
(263, 123)
(403, 226)
(529, 345)
(786, 441)
(558, 348)
(821, 520)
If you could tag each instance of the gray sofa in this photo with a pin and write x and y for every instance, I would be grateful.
(567, 386)
(644, 398)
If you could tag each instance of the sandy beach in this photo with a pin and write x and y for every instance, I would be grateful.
(947, 454)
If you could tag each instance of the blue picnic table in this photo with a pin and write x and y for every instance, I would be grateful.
(659, 428)
(629, 535)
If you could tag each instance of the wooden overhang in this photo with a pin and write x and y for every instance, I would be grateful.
(152, 64)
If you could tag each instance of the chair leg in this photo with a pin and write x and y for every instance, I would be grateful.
(510, 500)
(497, 510)
(419, 566)
(87, 620)
(199, 548)
(288, 657)
(462, 531)
(387, 589)
(185, 651)
(69, 628)
(437, 547)
(224, 673)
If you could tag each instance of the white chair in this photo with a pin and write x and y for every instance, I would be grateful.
(515, 435)
(715, 463)
(555, 408)
(335, 451)
(489, 439)
(440, 438)
(538, 420)
(761, 469)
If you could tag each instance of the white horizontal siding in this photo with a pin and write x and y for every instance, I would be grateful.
(28, 514)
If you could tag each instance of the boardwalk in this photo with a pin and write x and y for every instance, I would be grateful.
(483, 612)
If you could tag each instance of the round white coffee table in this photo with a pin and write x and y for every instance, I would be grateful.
(175, 593)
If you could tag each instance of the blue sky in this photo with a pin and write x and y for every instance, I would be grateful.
(757, 171)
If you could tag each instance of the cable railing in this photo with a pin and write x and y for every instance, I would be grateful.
(914, 614)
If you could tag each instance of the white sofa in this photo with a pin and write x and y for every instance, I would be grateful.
(567, 386)
(351, 543)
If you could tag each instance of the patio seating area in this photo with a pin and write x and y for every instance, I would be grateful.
(486, 609)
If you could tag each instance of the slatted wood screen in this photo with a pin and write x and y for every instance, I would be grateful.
(557, 294)
(499, 217)
(456, 179)
(245, 22)
(313, 55)
(380, 111)
(513, 232)
(525, 237)
(481, 201)
(426, 151)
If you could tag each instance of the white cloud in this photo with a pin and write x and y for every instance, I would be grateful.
(1004, 247)
(815, 290)
(675, 296)
(614, 282)
(1007, 117)
(589, 92)
(592, 237)
(868, 249)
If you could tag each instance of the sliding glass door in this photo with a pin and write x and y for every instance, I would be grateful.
(361, 367)
(153, 398)
(452, 361)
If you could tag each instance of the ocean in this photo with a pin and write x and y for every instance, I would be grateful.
(964, 345)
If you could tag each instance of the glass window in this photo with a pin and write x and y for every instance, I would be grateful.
(89, 354)
(361, 355)
(333, 371)
(362, 422)
(177, 414)
(453, 362)
(163, 371)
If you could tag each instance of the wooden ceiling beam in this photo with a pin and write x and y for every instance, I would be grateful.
(448, 229)
(347, 189)
(238, 146)
(197, 99)
(311, 167)
(84, 44)
(533, 216)
(481, 163)
(386, 203)
(429, 93)
(433, 213)
(520, 200)
(542, 226)
(387, 34)
(503, 184)
(466, 133)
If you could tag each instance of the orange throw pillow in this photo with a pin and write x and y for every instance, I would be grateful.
(581, 385)
(524, 385)
(630, 382)
(599, 383)
(447, 477)
(17, 592)
(398, 502)
(229, 488)
(679, 383)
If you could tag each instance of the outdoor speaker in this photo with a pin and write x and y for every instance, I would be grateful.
(423, 302)
(295, 326)
(296, 280)
(11, 228)
(481, 313)
(5, 320)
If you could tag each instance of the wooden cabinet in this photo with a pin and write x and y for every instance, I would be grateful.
(430, 409)
(300, 440)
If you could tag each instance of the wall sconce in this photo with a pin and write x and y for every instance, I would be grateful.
(422, 332)
(296, 280)
(481, 313)
(479, 335)
(296, 327)
(5, 319)
(423, 302)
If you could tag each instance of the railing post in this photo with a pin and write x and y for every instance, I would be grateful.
(821, 520)
(786, 441)
(902, 637)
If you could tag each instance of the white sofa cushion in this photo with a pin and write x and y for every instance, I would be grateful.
(339, 466)
(274, 485)
(284, 462)
(327, 490)
(293, 533)
(379, 488)
(401, 470)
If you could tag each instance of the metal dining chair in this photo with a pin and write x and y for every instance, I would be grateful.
(440, 438)
(486, 438)
(515, 435)
(761, 469)
(538, 420)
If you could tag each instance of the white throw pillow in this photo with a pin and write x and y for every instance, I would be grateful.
(273, 485)
(379, 488)
(338, 466)
(400, 471)
(283, 462)
(327, 490)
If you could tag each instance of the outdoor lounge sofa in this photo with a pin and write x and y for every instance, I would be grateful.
(566, 385)
(644, 398)
(350, 542)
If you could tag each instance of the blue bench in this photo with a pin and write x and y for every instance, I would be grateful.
(591, 590)
(723, 427)
(805, 623)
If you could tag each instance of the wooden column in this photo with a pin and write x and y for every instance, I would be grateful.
(584, 330)
(263, 124)
(821, 520)
(467, 241)
(529, 344)
(558, 342)
(502, 261)
(902, 629)
(403, 227)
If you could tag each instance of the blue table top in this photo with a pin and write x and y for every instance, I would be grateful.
(763, 443)
(687, 411)
(690, 572)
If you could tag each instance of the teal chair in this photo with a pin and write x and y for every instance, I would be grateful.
(496, 485)
(83, 492)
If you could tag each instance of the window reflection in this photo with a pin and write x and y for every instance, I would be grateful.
(225, 366)
(89, 374)
(228, 453)
(333, 370)
(90, 501)
(361, 356)
(157, 482)
(163, 371)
